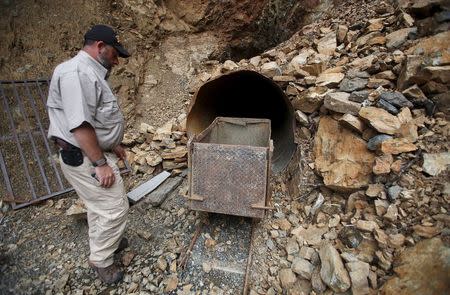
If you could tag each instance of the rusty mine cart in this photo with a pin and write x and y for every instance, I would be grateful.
(231, 154)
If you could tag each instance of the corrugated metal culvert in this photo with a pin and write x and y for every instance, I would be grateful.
(232, 123)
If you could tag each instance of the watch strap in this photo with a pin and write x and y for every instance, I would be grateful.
(100, 162)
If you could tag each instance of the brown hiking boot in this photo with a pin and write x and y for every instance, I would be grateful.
(110, 274)
(122, 245)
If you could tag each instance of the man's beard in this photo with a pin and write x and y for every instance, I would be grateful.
(103, 60)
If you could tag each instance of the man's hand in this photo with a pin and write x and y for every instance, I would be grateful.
(120, 152)
(87, 139)
(105, 175)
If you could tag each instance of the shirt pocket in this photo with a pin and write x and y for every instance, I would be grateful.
(108, 113)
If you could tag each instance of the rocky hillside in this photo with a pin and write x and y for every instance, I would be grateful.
(364, 205)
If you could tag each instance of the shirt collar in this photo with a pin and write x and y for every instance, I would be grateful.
(99, 69)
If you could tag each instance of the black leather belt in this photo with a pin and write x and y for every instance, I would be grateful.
(64, 145)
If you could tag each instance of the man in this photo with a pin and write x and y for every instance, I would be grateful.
(87, 125)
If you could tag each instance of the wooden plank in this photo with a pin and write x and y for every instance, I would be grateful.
(147, 187)
(160, 194)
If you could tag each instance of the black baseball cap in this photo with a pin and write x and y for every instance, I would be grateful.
(107, 35)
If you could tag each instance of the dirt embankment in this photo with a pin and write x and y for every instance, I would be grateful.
(169, 40)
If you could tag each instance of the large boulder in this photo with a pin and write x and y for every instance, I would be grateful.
(423, 269)
(436, 47)
(341, 157)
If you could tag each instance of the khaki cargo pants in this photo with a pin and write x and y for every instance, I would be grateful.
(107, 208)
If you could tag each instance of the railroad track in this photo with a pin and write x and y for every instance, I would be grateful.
(219, 253)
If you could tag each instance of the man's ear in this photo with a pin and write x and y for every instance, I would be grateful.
(100, 45)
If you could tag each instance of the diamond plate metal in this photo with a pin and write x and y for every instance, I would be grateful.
(229, 179)
(229, 167)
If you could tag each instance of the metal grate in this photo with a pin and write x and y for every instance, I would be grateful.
(29, 169)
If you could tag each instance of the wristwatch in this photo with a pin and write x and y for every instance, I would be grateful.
(100, 162)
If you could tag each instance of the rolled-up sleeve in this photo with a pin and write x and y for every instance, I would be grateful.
(79, 99)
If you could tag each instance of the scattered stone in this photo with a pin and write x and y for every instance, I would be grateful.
(394, 192)
(171, 283)
(396, 99)
(381, 207)
(362, 63)
(302, 267)
(383, 164)
(381, 103)
(127, 258)
(426, 231)
(353, 123)
(153, 158)
(338, 102)
(341, 33)
(397, 38)
(327, 45)
(77, 209)
(397, 146)
(375, 142)
(229, 65)
(329, 79)
(380, 119)
(156, 197)
(161, 263)
(292, 246)
(316, 282)
(408, 75)
(350, 85)
(306, 252)
(434, 164)
(359, 272)
(391, 213)
(287, 277)
(387, 75)
(396, 240)
(61, 282)
(177, 152)
(416, 96)
(366, 225)
(341, 157)
(376, 83)
(359, 96)
(350, 236)
(311, 100)
(302, 118)
(271, 69)
(332, 270)
(375, 190)
(434, 47)
(312, 235)
(384, 259)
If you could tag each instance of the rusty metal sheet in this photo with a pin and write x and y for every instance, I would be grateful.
(229, 167)
(229, 179)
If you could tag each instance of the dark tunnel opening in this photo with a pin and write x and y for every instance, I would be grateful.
(246, 94)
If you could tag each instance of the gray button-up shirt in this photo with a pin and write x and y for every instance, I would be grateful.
(79, 93)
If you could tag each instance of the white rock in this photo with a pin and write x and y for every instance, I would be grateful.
(338, 102)
(433, 164)
(271, 69)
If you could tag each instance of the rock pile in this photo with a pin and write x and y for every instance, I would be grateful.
(371, 100)
(151, 150)
(372, 91)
